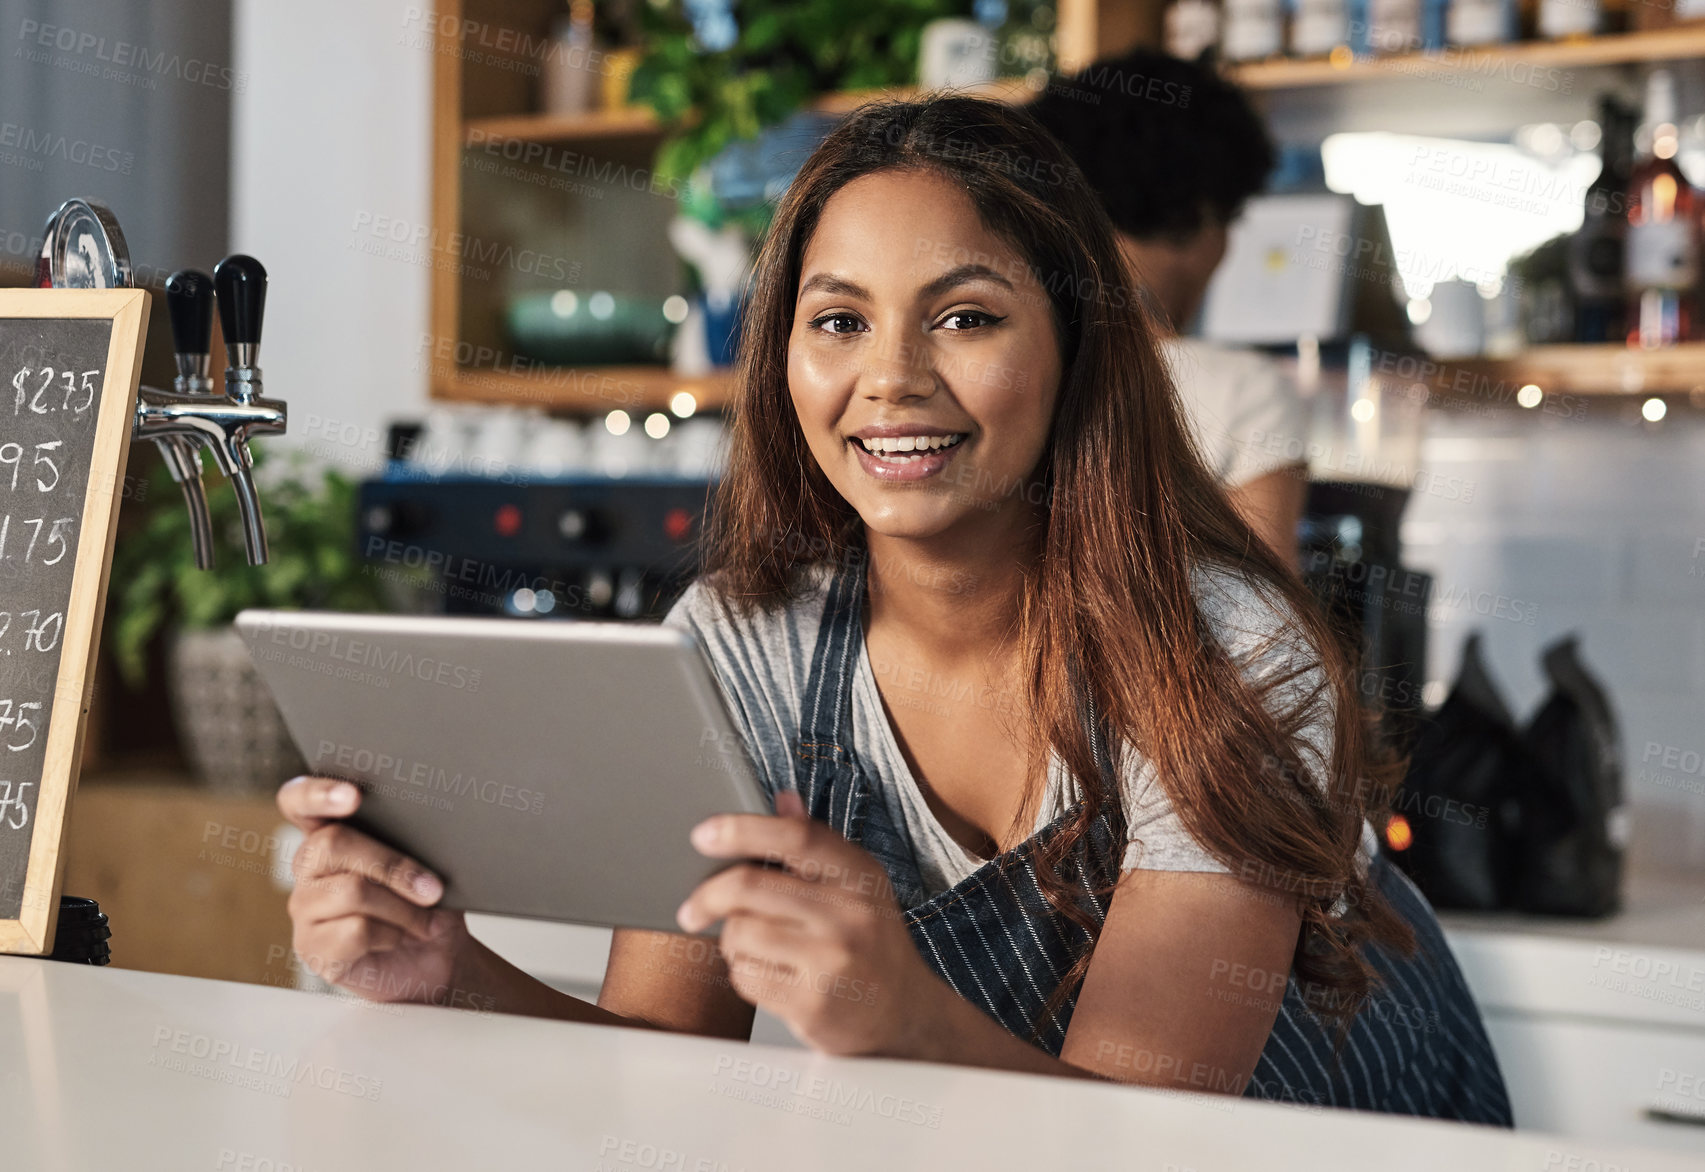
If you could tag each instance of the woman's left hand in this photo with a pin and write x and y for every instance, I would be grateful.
(821, 944)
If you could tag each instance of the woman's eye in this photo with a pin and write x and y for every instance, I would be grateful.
(817, 324)
(977, 318)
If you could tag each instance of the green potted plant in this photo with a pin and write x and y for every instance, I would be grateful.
(717, 81)
(226, 720)
(773, 58)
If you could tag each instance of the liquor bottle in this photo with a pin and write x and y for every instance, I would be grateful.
(1595, 253)
(1661, 263)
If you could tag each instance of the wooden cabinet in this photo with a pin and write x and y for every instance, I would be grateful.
(526, 202)
(190, 879)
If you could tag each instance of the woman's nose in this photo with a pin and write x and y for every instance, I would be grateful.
(903, 370)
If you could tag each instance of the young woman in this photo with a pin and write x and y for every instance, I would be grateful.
(1068, 776)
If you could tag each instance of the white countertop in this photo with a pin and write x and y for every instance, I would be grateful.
(1645, 964)
(106, 1068)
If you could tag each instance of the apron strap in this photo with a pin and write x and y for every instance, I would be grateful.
(822, 755)
(828, 773)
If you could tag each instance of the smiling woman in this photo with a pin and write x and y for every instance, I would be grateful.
(1102, 812)
(1088, 877)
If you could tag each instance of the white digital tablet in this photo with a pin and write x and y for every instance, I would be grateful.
(542, 769)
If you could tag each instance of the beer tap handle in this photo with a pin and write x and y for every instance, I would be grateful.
(189, 303)
(241, 284)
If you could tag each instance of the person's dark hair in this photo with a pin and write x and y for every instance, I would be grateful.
(1162, 141)
(1127, 513)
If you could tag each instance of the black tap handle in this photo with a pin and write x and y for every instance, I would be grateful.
(241, 282)
(189, 303)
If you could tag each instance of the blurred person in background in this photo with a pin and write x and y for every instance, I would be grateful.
(1174, 152)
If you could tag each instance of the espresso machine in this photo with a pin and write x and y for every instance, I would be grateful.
(84, 248)
(558, 547)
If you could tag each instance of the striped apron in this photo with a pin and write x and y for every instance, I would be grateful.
(1416, 1048)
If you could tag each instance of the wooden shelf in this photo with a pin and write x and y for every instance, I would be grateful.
(1577, 370)
(580, 388)
(1490, 62)
(627, 122)
(639, 122)
(1008, 89)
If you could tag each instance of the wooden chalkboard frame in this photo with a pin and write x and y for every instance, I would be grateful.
(127, 310)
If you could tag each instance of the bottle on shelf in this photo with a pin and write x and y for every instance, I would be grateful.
(569, 80)
(1595, 253)
(1661, 259)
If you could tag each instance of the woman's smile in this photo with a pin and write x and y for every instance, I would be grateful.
(906, 455)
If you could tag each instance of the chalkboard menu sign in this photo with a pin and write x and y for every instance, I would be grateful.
(70, 360)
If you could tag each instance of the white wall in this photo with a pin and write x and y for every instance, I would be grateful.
(1587, 521)
(333, 130)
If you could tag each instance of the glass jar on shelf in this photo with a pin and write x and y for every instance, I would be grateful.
(1482, 22)
(1192, 28)
(1252, 30)
(1559, 19)
(1391, 27)
(1319, 28)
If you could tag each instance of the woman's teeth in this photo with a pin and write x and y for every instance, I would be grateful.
(898, 445)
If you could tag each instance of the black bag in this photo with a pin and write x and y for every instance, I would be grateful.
(1573, 826)
(1457, 801)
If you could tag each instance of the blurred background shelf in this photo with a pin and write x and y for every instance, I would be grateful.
(1579, 370)
(638, 122)
(583, 388)
(1672, 44)
(635, 122)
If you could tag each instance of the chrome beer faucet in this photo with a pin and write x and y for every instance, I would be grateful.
(84, 248)
(191, 413)
(189, 303)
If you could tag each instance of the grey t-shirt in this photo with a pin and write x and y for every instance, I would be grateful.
(762, 662)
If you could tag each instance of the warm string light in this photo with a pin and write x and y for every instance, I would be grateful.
(1398, 834)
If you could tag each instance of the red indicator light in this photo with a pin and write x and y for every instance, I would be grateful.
(507, 522)
(677, 524)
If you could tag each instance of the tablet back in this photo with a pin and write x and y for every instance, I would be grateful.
(543, 769)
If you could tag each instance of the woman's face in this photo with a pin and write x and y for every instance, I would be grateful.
(923, 362)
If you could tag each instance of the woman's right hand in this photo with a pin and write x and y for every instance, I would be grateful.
(363, 912)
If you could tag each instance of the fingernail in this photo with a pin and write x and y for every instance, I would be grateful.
(342, 797)
(427, 886)
(707, 833)
(684, 917)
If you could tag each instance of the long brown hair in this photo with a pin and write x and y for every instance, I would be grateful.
(1128, 514)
